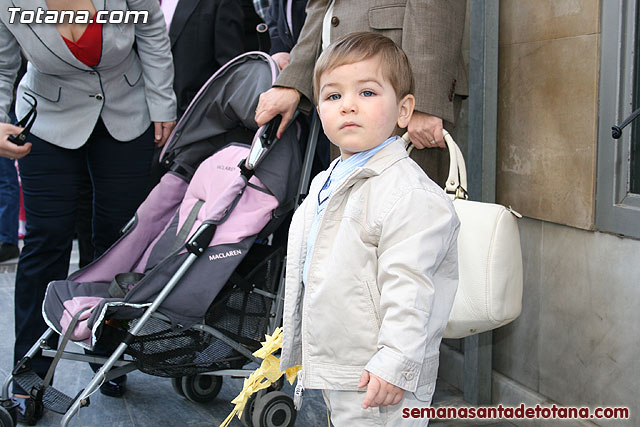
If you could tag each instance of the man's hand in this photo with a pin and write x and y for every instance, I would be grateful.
(162, 130)
(277, 100)
(425, 130)
(9, 149)
(379, 392)
(282, 59)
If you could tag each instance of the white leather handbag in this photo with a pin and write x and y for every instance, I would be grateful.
(489, 258)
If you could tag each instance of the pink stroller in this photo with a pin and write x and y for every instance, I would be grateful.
(193, 284)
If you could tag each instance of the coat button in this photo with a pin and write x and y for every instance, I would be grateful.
(99, 97)
(335, 21)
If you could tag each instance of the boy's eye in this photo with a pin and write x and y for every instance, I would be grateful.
(333, 97)
(367, 93)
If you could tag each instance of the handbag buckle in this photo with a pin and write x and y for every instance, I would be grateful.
(461, 193)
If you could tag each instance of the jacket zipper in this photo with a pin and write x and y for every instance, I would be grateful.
(299, 389)
(298, 392)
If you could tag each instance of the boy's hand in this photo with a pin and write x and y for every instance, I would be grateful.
(379, 392)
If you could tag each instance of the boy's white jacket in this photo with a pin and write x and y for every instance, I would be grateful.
(382, 278)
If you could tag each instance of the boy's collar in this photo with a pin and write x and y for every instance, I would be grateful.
(380, 161)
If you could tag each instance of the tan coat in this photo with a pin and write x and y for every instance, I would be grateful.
(429, 31)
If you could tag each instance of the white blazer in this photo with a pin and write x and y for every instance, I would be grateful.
(128, 89)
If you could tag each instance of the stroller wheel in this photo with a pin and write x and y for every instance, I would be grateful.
(201, 388)
(33, 412)
(247, 414)
(274, 409)
(10, 407)
(6, 419)
(176, 384)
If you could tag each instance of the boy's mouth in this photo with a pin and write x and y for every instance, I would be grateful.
(349, 125)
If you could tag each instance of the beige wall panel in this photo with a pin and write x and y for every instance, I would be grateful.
(523, 21)
(580, 312)
(516, 345)
(547, 96)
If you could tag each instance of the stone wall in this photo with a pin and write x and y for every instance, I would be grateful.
(547, 109)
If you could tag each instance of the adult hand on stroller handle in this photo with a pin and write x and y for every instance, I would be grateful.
(277, 100)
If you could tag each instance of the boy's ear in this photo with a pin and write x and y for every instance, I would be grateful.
(405, 110)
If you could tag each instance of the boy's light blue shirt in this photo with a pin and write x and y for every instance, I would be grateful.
(340, 171)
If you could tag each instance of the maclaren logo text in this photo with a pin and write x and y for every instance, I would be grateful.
(223, 255)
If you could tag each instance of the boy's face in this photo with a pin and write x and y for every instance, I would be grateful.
(359, 108)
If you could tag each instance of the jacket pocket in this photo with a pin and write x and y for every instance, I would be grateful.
(132, 77)
(373, 293)
(50, 92)
(388, 17)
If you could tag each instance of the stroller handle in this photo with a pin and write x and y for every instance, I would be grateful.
(264, 140)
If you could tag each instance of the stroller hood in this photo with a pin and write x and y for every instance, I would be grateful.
(222, 113)
(223, 109)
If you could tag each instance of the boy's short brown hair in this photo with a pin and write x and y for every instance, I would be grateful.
(356, 47)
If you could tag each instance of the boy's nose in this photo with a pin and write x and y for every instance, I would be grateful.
(348, 105)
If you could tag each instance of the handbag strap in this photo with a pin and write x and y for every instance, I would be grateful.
(456, 186)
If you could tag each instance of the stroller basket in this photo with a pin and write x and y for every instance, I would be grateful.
(239, 312)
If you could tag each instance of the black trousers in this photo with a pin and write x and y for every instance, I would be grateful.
(51, 181)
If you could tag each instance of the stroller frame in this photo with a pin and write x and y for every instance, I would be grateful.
(113, 366)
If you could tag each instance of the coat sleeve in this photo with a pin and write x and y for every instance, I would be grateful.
(413, 243)
(229, 31)
(154, 50)
(273, 13)
(299, 73)
(432, 39)
(10, 61)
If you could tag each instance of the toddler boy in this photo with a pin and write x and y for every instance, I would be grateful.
(372, 259)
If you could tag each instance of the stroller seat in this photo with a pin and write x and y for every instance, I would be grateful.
(207, 189)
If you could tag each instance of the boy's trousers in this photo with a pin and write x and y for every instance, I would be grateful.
(346, 410)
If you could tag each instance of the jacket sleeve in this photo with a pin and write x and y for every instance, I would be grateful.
(417, 232)
(273, 13)
(299, 73)
(154, 50)
(229, 31)
(432, 39)
(10, 61)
